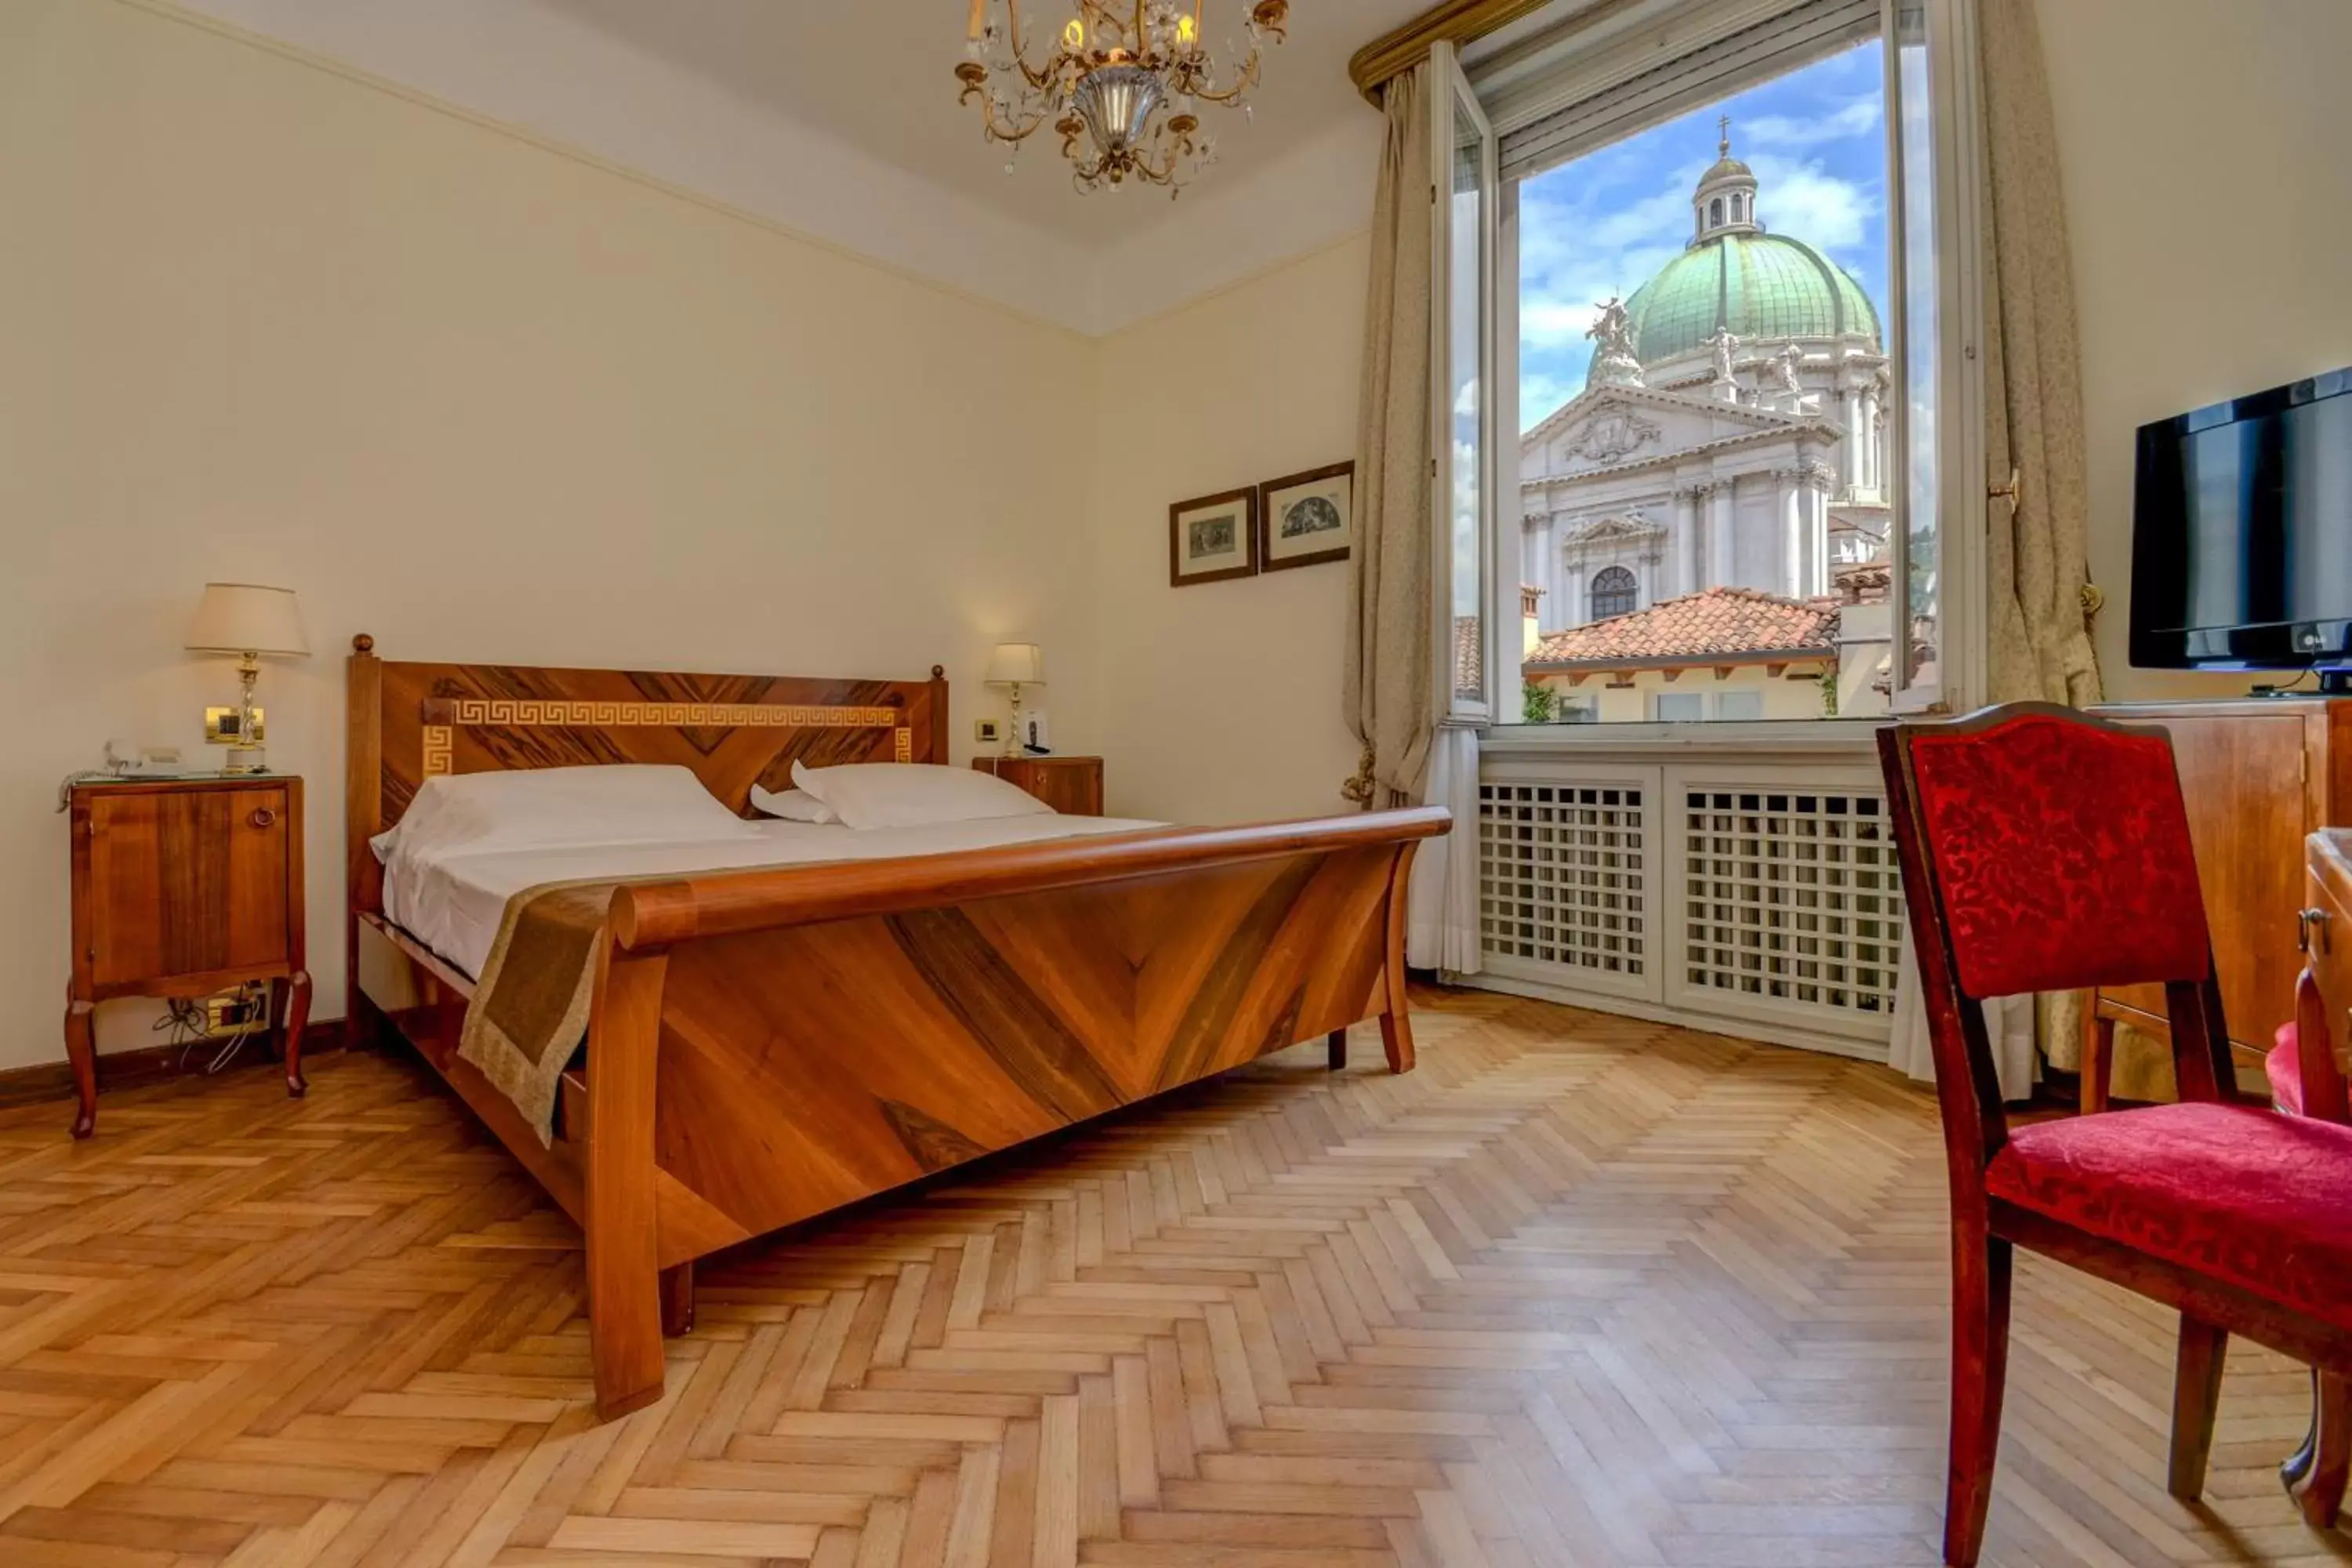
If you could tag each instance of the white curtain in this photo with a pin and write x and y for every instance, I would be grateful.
(2035, 561)
(2009, 1025)
(1441, 910)
(1389, 674)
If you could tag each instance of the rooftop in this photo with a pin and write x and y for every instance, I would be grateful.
(1704, 627)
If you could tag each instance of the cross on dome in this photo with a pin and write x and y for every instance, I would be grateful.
(1725, 202)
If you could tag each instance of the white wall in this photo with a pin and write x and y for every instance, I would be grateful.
(482, 399)
(1220, 703)
(2210, 210)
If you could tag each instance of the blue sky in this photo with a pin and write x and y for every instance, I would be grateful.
(1605, 223)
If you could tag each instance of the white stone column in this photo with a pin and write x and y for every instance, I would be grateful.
(1688, 524)
(1857, 437)
(1720, 563)
(1817, 531)
(1789, 493)
(1873, 461)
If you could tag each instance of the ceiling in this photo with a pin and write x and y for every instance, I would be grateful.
(880, 74)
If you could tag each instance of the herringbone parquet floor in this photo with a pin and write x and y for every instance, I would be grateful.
(1582, 1291)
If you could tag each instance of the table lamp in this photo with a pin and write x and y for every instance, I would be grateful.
(1016, 665)
(246, 620)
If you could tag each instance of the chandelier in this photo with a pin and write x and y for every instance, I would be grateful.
(1120, 87)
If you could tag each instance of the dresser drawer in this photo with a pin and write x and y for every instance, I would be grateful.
(187, 882)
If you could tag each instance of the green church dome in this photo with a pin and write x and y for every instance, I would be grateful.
(1736, 277)
(1758, 285)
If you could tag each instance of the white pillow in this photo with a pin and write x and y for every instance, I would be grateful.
(915, 794)
(792, 805)
(547, 808)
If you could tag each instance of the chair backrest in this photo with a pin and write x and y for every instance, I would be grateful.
(2044, 850)
(2060, 852)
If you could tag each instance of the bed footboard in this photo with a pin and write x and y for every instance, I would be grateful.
(768, 1047)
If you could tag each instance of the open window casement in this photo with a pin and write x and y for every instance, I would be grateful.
(1461, 437)
(1937, 579)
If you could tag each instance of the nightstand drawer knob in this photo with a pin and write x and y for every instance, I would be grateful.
(264, 817)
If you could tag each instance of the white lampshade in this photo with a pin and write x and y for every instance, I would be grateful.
(1017, 664)
(243, 617)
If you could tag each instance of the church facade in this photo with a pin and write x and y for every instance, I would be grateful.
(1731, 432)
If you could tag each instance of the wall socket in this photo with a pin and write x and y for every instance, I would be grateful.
(242, 1011)
(989, 732)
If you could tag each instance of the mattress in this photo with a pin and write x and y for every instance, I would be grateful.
(453, 903)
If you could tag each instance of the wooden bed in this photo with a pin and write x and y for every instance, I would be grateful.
(767, 1045)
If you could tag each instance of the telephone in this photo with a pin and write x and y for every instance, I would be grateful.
(124, 761)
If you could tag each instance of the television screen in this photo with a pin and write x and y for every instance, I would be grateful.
(2242, 549)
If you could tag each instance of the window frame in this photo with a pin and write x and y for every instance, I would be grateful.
(1450, 93)
(1578, 74)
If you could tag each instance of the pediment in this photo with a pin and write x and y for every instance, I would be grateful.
(1614, 530)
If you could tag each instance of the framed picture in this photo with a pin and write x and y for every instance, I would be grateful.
(1211, 538)
(1307, 518)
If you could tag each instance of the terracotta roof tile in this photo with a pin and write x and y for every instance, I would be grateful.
(1717, 621)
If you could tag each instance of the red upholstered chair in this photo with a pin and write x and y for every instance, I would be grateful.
(2304, 1080)
(2045, 851)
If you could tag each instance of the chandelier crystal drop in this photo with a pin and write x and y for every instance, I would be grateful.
(1119, 86)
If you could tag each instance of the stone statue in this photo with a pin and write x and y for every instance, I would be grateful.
(1613, 361)
(1724, 343)
(1784, 369)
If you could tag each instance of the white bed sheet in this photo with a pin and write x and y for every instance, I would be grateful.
(454, 903)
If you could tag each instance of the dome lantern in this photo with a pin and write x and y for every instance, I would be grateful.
(1725, 202)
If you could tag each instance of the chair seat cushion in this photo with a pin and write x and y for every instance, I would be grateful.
(2237, 1191)
(2282, 1065)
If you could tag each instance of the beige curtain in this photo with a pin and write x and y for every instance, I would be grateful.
(1389, 704)
(2039, 640)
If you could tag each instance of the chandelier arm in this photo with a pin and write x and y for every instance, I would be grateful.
(1001, 129)
(1242, 84)
(1038, 76)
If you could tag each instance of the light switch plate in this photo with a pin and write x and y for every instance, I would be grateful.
(221, 728)
(989, 732)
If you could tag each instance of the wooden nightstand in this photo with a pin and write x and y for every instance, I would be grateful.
(1070, 784)
(183, 888)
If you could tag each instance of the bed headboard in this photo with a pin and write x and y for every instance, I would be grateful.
(411, 721)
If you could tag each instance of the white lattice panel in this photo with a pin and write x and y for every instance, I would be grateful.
(1790, 899)
(1565, 881)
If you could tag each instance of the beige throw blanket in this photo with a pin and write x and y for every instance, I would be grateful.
(530, 1008)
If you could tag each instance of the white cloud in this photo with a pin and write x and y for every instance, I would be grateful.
(1800, 199)
(1856, 116)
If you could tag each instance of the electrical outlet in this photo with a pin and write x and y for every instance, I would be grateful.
(240, 1012)
(989, 732)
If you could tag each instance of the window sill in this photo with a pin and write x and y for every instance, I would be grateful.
(1846, 740)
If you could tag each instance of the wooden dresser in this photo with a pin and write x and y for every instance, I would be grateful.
(183, 888)
(2259, 774)
(1072, 785)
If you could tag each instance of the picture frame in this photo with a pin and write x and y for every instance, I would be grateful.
(1213, 539)
(1304, 520)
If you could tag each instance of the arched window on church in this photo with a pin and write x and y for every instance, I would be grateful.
(1614, 594)
(1715, 213)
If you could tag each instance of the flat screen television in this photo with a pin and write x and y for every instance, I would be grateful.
(2241, 541)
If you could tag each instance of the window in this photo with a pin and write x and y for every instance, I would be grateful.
(1463, 151)
(1614, 594)
(1678, 707)
(1739, 705)
(1768, 454)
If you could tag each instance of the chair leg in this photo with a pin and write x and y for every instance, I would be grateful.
(2196, 1395)
(677, 1300)
(1337, 1047)
(2297, 1465)
(1981, 1276)
(2098, 1059)
(2319, 1491)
